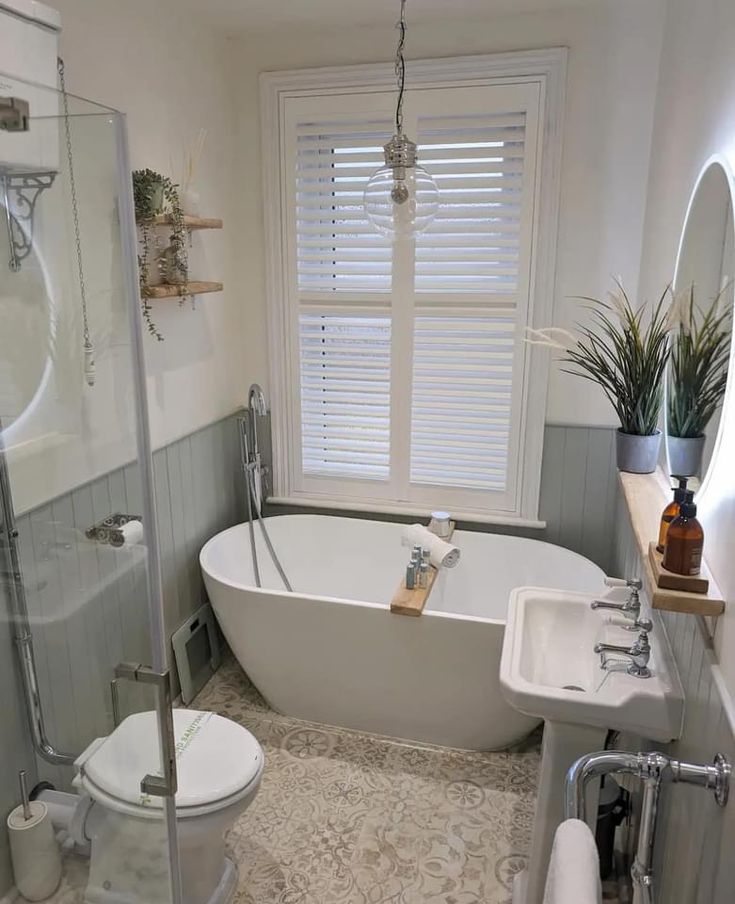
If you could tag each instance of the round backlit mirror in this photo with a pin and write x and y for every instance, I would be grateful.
(26, 337)
(700, 342)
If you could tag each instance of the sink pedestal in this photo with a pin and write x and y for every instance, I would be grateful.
(563, 745)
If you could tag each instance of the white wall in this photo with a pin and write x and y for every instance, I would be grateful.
(613, 64)
(695, 118)
(166, 73)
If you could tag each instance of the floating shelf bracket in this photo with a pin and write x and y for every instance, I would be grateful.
(20, 192)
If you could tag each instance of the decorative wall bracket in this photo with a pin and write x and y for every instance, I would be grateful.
(19, 193)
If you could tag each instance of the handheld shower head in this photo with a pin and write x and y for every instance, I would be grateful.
(256, 400)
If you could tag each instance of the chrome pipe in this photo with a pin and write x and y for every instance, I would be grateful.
(642, 870)
(21, 622)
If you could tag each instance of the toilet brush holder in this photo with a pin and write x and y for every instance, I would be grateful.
(34, 851)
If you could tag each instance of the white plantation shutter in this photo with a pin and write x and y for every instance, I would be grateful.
(471, 293)
(338, 250)
(474, 243)
(405, 363)
(345, 395)
(462, 400)
(341, 296)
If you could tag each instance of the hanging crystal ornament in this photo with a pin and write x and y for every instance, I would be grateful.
(401, 198)
(90, 370)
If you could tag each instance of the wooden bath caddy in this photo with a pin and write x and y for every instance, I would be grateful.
(668, 580)
(412, 602)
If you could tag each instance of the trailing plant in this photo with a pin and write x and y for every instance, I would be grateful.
(625, 352)
(156, 194)
(700, 350)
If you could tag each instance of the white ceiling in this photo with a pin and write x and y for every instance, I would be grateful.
(266, 15)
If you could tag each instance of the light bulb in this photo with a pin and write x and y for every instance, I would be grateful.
(401, 198)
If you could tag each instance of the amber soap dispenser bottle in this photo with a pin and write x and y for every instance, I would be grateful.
(671, 512)
(685, 540)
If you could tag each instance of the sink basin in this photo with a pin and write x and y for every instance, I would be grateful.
(549, 668)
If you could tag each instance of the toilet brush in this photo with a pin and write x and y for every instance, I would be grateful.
(33, 847)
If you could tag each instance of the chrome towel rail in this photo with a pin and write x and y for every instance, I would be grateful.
(653, 769)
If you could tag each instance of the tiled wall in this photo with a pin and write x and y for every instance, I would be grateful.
(696, 839)
(198, 492)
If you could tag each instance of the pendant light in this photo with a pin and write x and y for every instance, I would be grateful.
(401, 198)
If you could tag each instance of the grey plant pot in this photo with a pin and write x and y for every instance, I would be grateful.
(685, 455)
(637, 454)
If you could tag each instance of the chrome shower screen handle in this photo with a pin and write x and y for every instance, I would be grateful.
(164, 785)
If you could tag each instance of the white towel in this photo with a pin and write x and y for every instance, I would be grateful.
(574, 869)
(442, 554)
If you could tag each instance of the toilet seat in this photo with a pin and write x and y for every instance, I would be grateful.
(218, 764)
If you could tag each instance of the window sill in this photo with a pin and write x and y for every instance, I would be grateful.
(645, 496)
(404, 510)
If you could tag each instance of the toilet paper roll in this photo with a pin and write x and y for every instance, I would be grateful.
(34, 852)
(132, 532)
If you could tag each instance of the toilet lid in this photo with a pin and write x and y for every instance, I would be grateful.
(215, 758)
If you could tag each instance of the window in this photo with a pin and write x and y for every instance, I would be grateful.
(400, 372)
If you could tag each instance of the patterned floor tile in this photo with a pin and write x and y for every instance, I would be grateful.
(348, 818)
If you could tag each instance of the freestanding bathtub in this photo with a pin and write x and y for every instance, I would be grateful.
(332, 652)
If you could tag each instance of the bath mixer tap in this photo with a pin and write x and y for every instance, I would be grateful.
(639, 654)
(631, 608)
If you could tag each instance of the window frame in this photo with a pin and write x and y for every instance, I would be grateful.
(547, 69)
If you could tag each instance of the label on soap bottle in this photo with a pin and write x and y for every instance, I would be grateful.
(695, 560)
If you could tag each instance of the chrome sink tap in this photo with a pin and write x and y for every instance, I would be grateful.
(639, 653)
(631, 608)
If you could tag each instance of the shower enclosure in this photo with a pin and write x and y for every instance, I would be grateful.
(75, 452)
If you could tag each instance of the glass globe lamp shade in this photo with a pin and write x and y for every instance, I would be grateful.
(401, 202)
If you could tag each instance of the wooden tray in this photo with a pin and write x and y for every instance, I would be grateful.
(668, 580)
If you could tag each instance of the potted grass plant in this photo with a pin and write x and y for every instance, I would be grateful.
(624, 351)
(697, 377)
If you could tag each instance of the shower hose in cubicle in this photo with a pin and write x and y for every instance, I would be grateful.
(253, 492)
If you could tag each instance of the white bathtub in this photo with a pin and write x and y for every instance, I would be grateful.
(332, 652)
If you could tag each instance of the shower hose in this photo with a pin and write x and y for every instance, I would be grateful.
(253, 501)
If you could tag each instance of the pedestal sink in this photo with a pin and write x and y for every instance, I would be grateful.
(549, 669)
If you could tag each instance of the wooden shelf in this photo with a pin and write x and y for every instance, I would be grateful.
(177, 291)
(190, 222)
(646, 495)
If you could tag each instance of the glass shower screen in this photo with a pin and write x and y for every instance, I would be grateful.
(80, 593)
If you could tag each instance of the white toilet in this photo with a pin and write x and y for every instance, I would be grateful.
(219, 765)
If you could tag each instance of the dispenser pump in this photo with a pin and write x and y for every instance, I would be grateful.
(688, 508)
